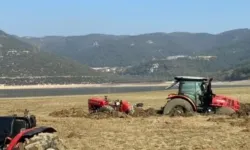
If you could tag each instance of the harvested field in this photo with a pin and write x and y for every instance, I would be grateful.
(144, 130)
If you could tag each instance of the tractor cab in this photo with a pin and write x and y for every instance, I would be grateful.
(13, 125)
(195, 94)
(197, 89)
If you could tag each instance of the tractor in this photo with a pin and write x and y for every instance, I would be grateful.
(195, 95)
(99, 104)
(21, 133)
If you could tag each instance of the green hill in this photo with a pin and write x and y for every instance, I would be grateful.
(230, 62)
(238, 72)
(22, 60)
(98, 50)
(230, 49)
(164, 69)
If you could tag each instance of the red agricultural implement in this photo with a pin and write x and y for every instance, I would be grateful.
(98, 104)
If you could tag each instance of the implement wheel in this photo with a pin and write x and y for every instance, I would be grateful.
(178, 107)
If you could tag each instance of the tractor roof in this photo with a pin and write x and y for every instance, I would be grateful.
(190, 78)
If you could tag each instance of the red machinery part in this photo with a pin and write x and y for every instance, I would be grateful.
(28, 133)
(96, 102)
(224, 101)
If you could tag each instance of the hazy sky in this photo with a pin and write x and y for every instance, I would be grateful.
(80, 17)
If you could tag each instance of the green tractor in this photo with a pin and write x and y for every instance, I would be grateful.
(195, 95)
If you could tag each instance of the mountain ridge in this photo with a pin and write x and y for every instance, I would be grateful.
(20, 59)
(105, 34)
(230, 49)
(100, 50)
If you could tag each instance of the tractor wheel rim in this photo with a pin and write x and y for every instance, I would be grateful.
(178, 110)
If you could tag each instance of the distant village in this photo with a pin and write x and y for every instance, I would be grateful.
(121, 69)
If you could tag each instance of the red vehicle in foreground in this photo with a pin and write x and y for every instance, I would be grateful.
(195, 95)
(15, 132)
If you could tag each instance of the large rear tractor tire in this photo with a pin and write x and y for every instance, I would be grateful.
(43, 141)
(225, 111)
(178, 107)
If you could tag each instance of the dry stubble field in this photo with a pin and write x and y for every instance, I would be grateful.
(195, 132)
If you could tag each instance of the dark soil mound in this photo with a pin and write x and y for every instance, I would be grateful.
(104, 115)
(139, 112)
(79, 112)
(72, 112)
(244, 110)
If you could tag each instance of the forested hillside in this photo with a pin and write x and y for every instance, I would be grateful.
(98, 50)
(153, 55)
(22, 60)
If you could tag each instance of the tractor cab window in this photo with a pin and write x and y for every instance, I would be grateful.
(200, 88)
(187, 87)
(5, 127)
(18, 124)
(191, 89)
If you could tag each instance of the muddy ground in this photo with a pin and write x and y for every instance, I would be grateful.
(139, 112)
(244, 110)
(79, 112)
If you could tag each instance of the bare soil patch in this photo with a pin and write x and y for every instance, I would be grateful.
(72, 112)
(139, 112)
(79, 112)
(244, 110)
